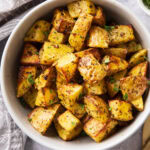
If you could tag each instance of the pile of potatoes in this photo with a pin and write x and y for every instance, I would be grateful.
(81, 73)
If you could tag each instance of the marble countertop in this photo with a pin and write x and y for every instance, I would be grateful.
(135, 141)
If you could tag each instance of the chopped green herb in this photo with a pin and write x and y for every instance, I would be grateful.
(83, 133)
(30, 79)
(50, 90)
(82, 105)
(51, 101)
(145, 58)
(107, 60)
(80, 96)
(108, 28)
(90, 128)
(110, 108)
(112, 80)
(29, 119)
(46, 33)
(125, 96)
(73, 123)
(148, 82)
(115, 89)
(36, 53)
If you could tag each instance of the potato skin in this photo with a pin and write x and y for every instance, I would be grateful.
(133, 86)
(41, 118)
(120, 110)
(94, 51)
(25, 75)
(140, 69)
(38, 32)
(97, 108)
(114, 64)
(30, 55)
(98, 130)
(137, 58)
(79, 31)
(62, 21)
(91, 70)
(98, 37)
(121, 34)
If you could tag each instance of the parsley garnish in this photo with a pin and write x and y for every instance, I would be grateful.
(73, 123)
(30, 79)
(108, 28)
(148, 82)
(111, 79)
(51, 101)
(36, 53)
(145, 58)
(50, 90)
(107, 60)
(110, 108)
(82, 105)
(125, 96)
(29, 119)
(80, 96)
(46, 33)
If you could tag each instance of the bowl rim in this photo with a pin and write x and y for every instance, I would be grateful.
(10, 109)
(143, 7)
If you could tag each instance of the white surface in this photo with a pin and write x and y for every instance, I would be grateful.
(18, 112)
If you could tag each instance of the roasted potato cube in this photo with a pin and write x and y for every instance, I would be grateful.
(98, 130)
(139, 70)
(120, 110)
(114, 64)
(57, 37)
(77, 109)
(67, 66)
(45, 79)
(30, 55)
(97, 108)
(98, 37)
(68, 121)
(133, 86)
(30, 97)
(46, 97)
(25, 79)
(70, 93)
(138, 103)
(138, 57)
(67, 135)
(91, 70)
(41, 118)
(119, 52)
(83, 6)
(52, 52)
(62, 21)
(131, 46)
(121, 34)
(38, 32)
(113, 83)
(94, 51)
(98, 88)
(79, 32)
(99, 18)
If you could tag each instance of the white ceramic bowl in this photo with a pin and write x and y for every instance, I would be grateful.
(145, 9)
(8, 77)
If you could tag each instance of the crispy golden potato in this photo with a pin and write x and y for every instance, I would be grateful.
(80, 30)
(30, 55)
(119, 52)
(46, 97)
(140, 69)
(67, 135)
(30, 97)
(62, 21)
(26, 77)
(94, 51)
(41, 118)
(77, 109)
(121, 34)
(138, 57)
(98, 37)
(133, 86)
(66, 66)
(113, 83)
(120, 110)
(131, 46)
(82, 6)
(70, 93)
(138, 103)
(99, 18)
(68, 121)
(52, 52)
(57, 37)
(114, 64)
(38, 32)
(98, 130)
(97, 108)
(91, 70)
(98, 88)
(46, 78)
